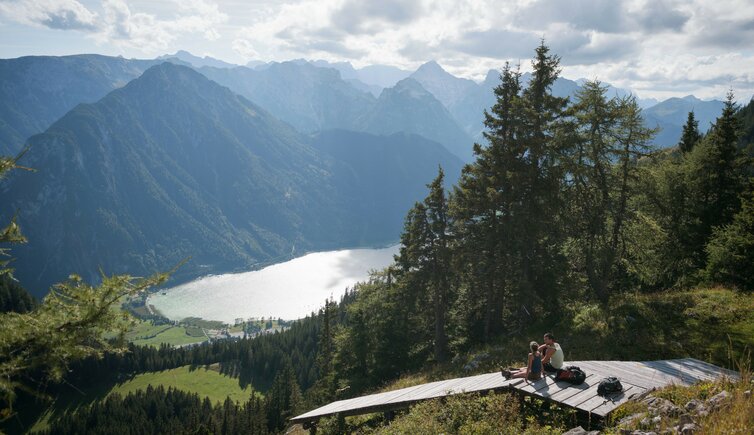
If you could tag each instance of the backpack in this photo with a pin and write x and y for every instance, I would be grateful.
(609, 385)
(571, 374)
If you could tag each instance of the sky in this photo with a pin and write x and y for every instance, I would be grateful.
(657, 48)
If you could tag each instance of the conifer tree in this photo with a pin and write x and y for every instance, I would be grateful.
(482, 210)
(283, 400)
(716, 178)
(730, 250)
(542, 203)
(690, 135)
(326, 383)
(606, 139)
(439, 276)
(424, 263)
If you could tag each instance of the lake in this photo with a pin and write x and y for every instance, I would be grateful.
(289, 290)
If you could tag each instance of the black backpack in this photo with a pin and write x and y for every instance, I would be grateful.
(609, 385)
(571, 374)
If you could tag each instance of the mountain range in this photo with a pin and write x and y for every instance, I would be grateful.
(37, 90)
(466, 100)
(173, 166)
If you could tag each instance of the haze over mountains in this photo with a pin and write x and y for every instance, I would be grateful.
(174, 165)
(142, 163)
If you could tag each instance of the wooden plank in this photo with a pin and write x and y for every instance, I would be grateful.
(487, 382)
(444, 389)
(406, 396)
(680, 376)
(643, 378)
(567, 390)
(496, 384)
(486, 385)
(584, 395)
(719, 371)
(688, 367)
(600, 405)
(687, 372)
(692, 363)
(661, 377)
(471, 384)
(383, 398)
(542, 384)
(605, 408)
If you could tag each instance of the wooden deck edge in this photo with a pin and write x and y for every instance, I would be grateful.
(387, 407)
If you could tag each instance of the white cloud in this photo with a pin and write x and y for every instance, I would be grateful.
(245, 48)
(151, 34)
(699, 46)
(55, 14)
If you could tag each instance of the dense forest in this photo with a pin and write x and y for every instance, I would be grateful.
(566, 208)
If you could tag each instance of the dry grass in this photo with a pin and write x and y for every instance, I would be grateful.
(735, 416)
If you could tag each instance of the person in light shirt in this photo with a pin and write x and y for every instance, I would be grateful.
(552, 361)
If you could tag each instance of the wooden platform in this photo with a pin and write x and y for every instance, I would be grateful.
(637, 378)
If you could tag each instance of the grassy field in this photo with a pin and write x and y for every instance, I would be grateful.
(174, 335)
(144, 330)
(206, 382)
(202, 381)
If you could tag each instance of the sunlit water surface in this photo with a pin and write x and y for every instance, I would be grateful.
(289, 290)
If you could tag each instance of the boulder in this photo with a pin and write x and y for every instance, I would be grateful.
(685, 419)
(718, 400)
(689, 429)
(660, 406)
(631, 419)
(693, 405)
(578, 430)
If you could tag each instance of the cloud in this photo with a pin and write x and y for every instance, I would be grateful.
(55, 14)
(604, 16)
(245, 48)
(497, 43)
(333, 47)
(150, 34)
(600, 47)
(356, 16)
(725, 33)
(660, 15)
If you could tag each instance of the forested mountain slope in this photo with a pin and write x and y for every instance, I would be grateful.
(174, 166)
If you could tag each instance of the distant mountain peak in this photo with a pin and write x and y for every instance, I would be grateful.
(412, 86)
(431, 67)
(197, 61)
(493, 76)
(446, 87)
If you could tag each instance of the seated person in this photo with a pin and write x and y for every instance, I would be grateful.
(533, 369)
(552, 358)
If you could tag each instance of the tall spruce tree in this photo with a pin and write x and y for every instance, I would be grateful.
(538, 222)
(508, 204)
(716, 177)
(425, 260)
(730, 250)
(324, 388)
(690, 135)
(482, 209)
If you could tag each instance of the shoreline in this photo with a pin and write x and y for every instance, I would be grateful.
(290, 290)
